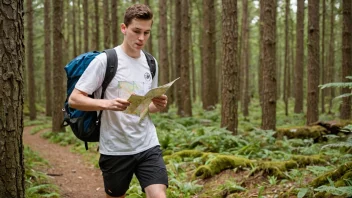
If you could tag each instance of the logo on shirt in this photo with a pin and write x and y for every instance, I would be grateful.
(147, 76)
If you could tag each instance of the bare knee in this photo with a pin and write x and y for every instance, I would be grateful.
(156, 191)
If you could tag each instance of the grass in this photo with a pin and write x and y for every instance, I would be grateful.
(37, 183)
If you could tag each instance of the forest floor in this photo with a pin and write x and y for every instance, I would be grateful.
(74, 176)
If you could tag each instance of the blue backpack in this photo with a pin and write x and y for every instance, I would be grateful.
(86, 124)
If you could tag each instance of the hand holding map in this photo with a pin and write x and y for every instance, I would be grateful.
(140, 104)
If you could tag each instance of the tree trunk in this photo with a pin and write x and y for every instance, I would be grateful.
(313, 62)
(209, 83)
(30, 63)
(97, 25)
(269, 63)
(260, 57)
(245, 59)
(177, 59)
(163, 46)
(230, 68)
(345, 111)
(106, 25)
(287, 67)
(172, 73)
(299, 58)
(149, 45)
(74, 37)
(58, 72)
(322, 94)
(47, 59)
(114, 20)
(12, 181)
(331, 57)
(86, 26)
(185, 67)
(80, 36)
(192, 52)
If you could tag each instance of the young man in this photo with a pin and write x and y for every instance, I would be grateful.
(126, 145)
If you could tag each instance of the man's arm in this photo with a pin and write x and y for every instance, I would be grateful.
(158, 104)
(80, 100)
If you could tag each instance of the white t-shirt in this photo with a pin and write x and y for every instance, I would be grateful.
(121, 133)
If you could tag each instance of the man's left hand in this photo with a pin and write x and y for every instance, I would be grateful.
(160, 102)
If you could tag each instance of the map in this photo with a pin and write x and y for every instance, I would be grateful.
(140, 104)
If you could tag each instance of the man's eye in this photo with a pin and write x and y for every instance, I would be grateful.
(146, 33)
(137, 32)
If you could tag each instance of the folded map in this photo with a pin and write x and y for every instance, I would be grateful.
(140, 104)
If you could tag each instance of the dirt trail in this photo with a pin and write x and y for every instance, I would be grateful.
(75, 177)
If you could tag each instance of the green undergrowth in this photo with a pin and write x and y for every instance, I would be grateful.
(201, 156)
(37, 183)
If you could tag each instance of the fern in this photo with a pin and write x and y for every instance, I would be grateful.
(340, 191)
(339, 85)
(338, 145)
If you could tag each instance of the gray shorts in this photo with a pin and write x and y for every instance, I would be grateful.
(148, 166)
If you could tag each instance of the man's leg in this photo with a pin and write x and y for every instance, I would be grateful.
(151, 173)
(156, 191)
(117, 174)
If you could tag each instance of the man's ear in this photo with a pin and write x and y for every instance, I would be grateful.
(123, 28)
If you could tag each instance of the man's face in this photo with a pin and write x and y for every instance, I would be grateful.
(137, 33)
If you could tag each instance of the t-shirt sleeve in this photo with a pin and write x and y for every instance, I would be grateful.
(93, 76)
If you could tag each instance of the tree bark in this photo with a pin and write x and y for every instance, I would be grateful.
(58, 72)
(269, 82)
(230, 68)
(345, 111)
(79, 32)
(106, 25)
(323, 81)
(30, 63)
(177, 49)
(331, 56)
(149, 45)
(209, 82)
(287, 65)
(185, 66)
(163, 45)
(74, 37)
(12, 182)
(313, 62)
(86, 26)
(97, 25)
(114, 20)
(299, 58)
(245, 59)
(47, 59)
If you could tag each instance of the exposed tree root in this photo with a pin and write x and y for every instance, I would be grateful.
(315, 131)
(212, 163)
(338, 175)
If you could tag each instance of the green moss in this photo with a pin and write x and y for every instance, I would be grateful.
(179, 156)
(220, 163)
(302, 132)
(342, 182)
(277, 168)
(334, 175)
(304, 161)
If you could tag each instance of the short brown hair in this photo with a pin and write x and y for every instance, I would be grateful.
(137, 11)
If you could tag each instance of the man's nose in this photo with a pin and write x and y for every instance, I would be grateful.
(141, 37)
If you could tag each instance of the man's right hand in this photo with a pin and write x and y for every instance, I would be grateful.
(117, 104)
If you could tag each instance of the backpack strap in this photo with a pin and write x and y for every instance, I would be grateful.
(151, 63)
(111, 68)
